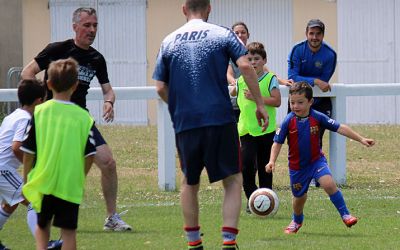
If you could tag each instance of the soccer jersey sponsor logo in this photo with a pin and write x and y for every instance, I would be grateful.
(318, 64)
(314, 130)
(297, 186)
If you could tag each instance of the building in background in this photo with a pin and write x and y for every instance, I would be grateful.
(130, 33)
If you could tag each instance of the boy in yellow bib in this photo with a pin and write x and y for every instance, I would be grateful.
(58, 153)
(256, 144)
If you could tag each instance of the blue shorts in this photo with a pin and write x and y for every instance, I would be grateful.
(300, 179)
(215, 147)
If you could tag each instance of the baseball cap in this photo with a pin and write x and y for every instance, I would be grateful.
(316, 23)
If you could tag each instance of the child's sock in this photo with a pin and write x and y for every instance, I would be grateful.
(3, 217)
(31, 219)
(338, 200)
(298, 218)
(229, 236)
(193, 237)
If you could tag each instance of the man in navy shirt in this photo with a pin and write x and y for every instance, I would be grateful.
(313, 61)
(190, 76)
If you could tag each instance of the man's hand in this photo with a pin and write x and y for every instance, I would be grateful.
(108, 111)
(262, 117)
(270, 167)
(324, 86)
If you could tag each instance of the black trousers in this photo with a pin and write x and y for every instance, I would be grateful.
(255, 153)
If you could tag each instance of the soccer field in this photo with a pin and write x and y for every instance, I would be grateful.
(372, 193)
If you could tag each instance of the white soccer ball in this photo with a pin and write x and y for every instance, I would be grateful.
(264, 202)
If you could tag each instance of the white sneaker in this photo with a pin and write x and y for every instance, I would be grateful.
(115, 223)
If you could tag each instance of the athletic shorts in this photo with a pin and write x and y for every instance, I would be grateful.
(65, 213)
(11, 187)
(300, 179)
(215, 147)
(98, 137)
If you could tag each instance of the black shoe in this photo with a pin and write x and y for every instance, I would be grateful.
(248, 209)
(2, 247)
(55, 244)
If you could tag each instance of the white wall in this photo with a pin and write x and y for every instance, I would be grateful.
(121, 38)
(269, 22)
(369, 52)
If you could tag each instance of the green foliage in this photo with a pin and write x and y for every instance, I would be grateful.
(371, 193)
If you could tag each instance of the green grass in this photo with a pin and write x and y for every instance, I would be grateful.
(372, 193)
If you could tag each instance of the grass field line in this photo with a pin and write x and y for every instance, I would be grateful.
(171, 204)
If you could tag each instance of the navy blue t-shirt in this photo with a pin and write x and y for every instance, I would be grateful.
(193, 61)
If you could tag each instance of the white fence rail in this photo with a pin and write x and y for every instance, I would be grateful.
(166, 139)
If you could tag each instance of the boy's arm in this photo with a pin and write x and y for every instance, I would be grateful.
(275, 150)
(88, 163)
(17, 151)
(28, 160)
(230, 75)
(232, 90)
(350, 133)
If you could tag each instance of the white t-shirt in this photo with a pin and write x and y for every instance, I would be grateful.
(12, 129)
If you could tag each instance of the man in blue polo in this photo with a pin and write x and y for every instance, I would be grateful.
(190, 76)
(313, 61)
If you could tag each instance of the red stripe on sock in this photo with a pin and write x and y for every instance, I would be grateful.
(230, 243)
(189, 229)
(194, 243)
(230, 230)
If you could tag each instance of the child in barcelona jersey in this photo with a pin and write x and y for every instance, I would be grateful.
(306, 159)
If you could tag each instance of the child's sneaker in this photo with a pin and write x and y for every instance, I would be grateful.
(349, 220)
(292, 228)
(248, 209)
(54, 244)
(115, 223)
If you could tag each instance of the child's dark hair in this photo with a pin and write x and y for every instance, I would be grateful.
(257, 48)
(29, 90)
(63, 74)
(301, 88)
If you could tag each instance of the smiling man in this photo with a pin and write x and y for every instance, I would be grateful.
(91, 64)
(313, 61)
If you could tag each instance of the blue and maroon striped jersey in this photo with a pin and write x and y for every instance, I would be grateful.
(303, 137)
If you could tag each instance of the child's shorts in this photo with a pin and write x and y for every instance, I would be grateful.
(300, 179)
(10, 187)
(65, 213)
